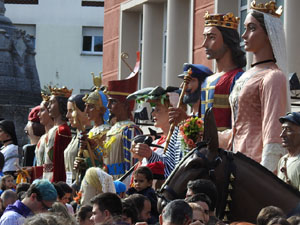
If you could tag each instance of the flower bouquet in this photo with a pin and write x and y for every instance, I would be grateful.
(191, 129)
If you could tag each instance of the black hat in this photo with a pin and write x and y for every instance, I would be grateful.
(291, 117)
(8, 127)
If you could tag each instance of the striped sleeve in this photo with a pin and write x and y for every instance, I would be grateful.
(173, 154)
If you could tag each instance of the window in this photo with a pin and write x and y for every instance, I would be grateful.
(92, 40)
(164, 47)
(243, 14)
(95, 3)
(25, 2)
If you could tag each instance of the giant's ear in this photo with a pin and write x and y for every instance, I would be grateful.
(210, 135)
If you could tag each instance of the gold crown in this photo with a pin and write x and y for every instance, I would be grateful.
(97, 80)
(63, 92)
(269, 8)
(221, 20)
(45, 97)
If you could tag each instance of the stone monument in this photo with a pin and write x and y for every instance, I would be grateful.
(19, 81)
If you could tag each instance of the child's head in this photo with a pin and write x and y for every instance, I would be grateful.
(143, 178)
(7, 182)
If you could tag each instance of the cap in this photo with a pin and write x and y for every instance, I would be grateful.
(291, 117)
(46, 189)
(157, 169)
(198, 71)
(120, 186)
(33, 115)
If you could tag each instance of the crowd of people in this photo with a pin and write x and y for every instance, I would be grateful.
(89, 163)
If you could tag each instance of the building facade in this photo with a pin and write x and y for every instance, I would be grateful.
(69, 38)
(168, 33)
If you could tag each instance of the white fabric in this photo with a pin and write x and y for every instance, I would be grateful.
(11, 152)
(276, 36)
(271, 154)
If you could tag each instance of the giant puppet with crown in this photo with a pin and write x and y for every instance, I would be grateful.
(59, 136)
(117, 155)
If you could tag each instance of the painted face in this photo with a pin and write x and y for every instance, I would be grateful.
(98, 216)
(4, 136)
(53, 107)
(213, 43)
(193, 92)
(9, 182)
(146, 212)
(44, 114)
(255, 37)
(290, 136)
(69, 114)
(116, 108)
(160, 115)
(140, 182)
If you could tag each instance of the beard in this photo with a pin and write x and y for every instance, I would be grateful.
(192, 98)
(216, 54)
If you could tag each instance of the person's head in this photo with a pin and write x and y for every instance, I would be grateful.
(61, 209)
(177, 212)
(143, 205)
(40, 196)
(75, 111)
(8, 197)
(43, 114)
(34, 129)
(222, 37)
(58, 102)
(67, 192)
(120, 188)
(278, 221)
(198, 213)
(96, 106)
(294, 220)
(255, 35)
(198, 75)
(143, 178)
(160, 114)
(46, 219)
(8, 132)
(290, 134)
(105, 206)
(117, 91)
(129, 212)
(202, 200)
(22, 187)
(268, 213)
(206, 187)
(84, 214)
(7, 182)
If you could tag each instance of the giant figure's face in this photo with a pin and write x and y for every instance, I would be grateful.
(214, 43)
(44, 114)
(53, 107)
(255, 37)
(290, 136)
(193, 91)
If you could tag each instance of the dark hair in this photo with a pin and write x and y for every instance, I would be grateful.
(129, 210)
(8, 127)
(62, 105)
(145, 171)
(177, 212)
(65, 187)
(22, 187)
(207, 187)
(278, 220)
(21, 195)
(38, 129)
(260, 18)
(294, 220)
(84, 212)
(200, 197)
(77, 99)
(59, 190)
(33, 189)
(232, 40)
(108, 201)
(267, 213)
(2, 161)
(138, 200)
(3, 180)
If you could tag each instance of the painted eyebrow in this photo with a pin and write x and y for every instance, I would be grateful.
(249, 24)
(209, 34)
